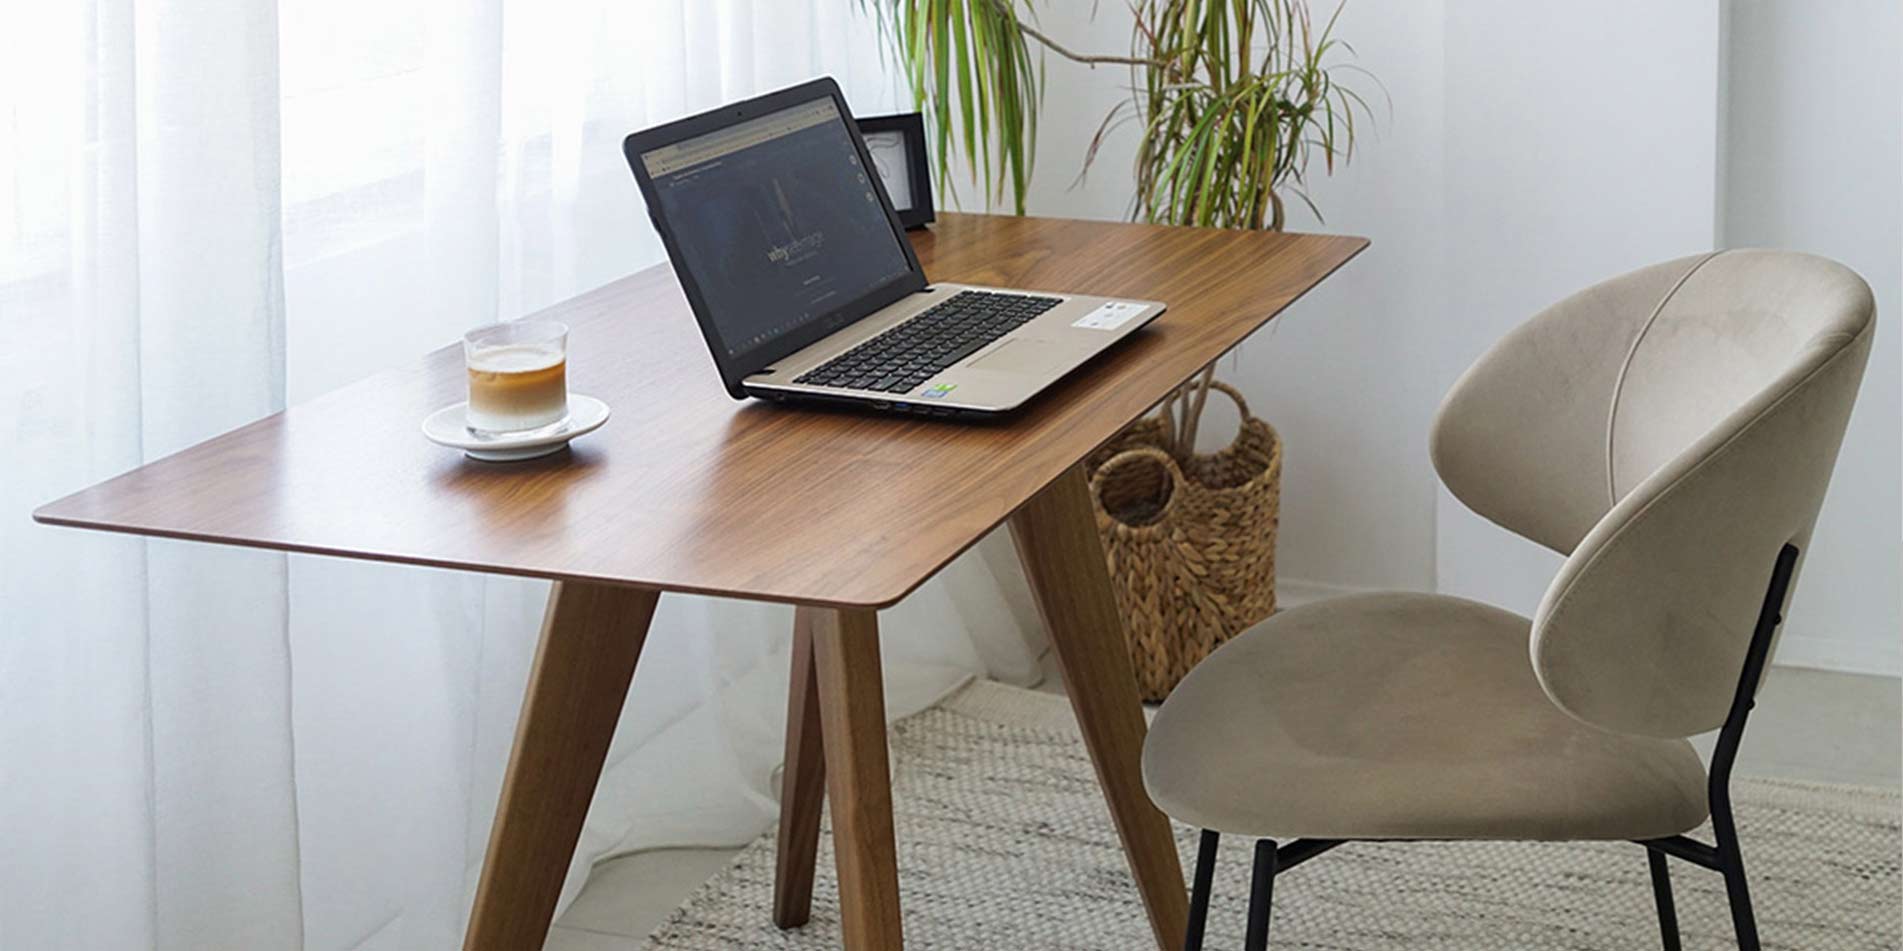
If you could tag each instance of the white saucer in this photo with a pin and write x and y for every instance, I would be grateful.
(445, 427)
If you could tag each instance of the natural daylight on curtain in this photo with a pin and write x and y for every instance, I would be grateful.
(213, 209)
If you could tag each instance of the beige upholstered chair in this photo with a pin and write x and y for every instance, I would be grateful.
(1671, 432)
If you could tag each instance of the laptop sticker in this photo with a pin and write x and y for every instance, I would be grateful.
(1110, 315)
(939, 391)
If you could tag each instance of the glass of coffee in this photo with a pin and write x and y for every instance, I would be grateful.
(518, 376)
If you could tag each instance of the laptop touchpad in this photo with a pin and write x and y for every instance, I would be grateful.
(1017, 356)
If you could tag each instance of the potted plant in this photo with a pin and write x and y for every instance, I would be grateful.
(1235, 99)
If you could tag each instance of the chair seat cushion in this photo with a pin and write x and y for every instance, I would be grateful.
(1403, 716)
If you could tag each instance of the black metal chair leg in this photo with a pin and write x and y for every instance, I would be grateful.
(1261, 896)
(1732, 862)
(1199, 890)
(1741, 917)
(1662, 896)
(1725, 754)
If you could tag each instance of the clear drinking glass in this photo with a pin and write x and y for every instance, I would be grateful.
(518, 376)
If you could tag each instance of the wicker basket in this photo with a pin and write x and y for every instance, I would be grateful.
(1190, 541)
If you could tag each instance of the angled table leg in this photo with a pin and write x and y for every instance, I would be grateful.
(802, 783)
(1057, 540)
(591, 638)
(858, 779)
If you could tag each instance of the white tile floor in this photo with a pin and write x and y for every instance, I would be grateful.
(1813, 725)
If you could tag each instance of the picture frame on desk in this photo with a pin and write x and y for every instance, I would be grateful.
(897, 145)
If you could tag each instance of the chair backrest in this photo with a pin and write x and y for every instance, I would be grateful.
(1668, 431)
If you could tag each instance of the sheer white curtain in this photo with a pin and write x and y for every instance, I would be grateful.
(210, 208)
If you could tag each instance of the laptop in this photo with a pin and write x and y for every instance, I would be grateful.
(804, 284)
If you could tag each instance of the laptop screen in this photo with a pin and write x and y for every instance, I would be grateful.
(776, 220)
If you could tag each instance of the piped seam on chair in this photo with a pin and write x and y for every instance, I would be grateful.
(1632, 352)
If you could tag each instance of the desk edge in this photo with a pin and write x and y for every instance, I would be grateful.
(48, 514)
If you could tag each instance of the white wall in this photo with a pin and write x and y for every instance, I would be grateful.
(1814, 161)
(1578, 148)
(1534, 149)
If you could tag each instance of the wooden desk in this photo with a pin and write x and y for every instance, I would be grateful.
(686, 490)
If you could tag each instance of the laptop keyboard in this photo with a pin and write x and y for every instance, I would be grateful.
(906, 355)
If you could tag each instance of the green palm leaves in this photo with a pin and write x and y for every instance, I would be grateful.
(1242, 104)
(971, 71)
(1234, 98)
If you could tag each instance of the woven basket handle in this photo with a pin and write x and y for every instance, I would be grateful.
(1242, 407)
(1129, 457)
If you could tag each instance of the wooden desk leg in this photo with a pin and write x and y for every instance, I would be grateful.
(591, 638)
(802, 783)
(1057, 540)
(858, 780)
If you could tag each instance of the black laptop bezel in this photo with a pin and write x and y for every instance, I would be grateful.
(736, 368)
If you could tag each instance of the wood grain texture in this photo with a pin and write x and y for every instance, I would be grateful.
(1056, 537)
(802, 783)
(688, 490)
(591, 637)
(858, 777)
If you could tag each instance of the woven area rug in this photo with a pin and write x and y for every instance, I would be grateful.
(1004, 843)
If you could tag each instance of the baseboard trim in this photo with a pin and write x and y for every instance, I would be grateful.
(1295, 592)
(1840, 654)
(1795, 649)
